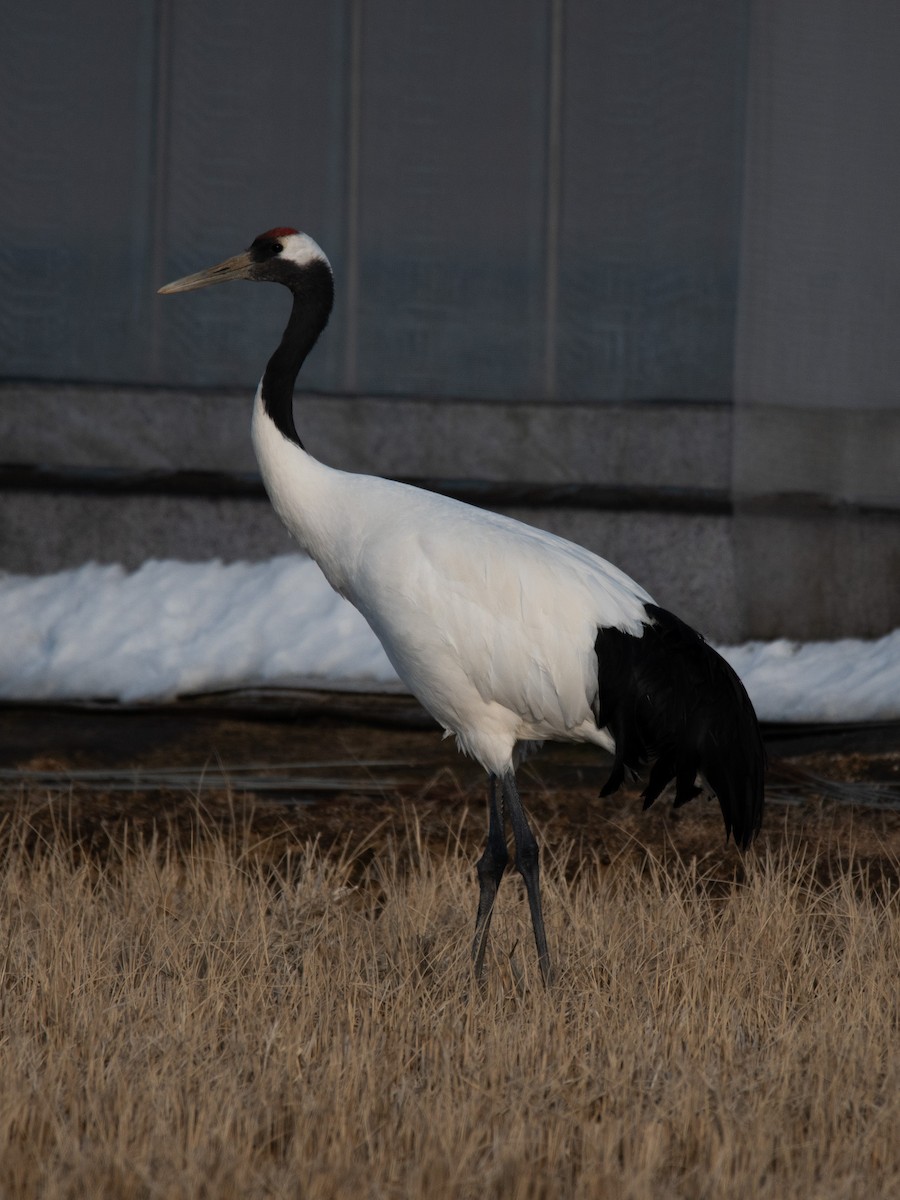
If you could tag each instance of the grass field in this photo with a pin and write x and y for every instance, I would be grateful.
(222, 1003)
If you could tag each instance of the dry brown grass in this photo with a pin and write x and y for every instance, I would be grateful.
(202, 1014)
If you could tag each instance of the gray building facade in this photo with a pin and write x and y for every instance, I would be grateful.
(628, 271)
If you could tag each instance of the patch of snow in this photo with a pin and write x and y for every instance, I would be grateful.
(175, 628)
(853, 679)
(172, 628)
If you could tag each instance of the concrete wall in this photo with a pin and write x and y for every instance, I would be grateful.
(673, 534)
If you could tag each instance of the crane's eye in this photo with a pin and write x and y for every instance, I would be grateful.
(277, 247)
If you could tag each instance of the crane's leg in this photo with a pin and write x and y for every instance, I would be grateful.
(490, 869)
(528, 866)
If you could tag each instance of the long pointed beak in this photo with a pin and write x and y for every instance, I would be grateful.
(232, 268)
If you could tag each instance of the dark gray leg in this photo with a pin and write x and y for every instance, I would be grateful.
(528, 867)
(490, 869)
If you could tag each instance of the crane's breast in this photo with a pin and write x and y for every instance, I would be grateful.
(476, 617)
(486, 620)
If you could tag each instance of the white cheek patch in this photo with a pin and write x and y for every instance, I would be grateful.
(300, 248)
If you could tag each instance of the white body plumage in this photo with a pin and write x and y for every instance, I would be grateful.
(491, 624)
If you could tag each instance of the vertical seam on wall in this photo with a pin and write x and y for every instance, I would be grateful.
(160, 133)
(553, 193)
(353, 139)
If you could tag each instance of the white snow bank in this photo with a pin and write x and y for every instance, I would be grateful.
(173, 628)
(847, 680)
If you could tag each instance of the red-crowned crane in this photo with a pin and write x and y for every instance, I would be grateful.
(507, 635)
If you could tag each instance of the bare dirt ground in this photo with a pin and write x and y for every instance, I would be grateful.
(344, 770)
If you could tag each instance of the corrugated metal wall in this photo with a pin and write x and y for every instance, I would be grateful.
(526, 200)
(648, 246)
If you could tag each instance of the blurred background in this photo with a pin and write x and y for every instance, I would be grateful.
(627, 269)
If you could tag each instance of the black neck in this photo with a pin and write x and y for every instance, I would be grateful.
(313, 292)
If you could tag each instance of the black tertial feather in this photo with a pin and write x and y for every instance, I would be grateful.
(668, 696)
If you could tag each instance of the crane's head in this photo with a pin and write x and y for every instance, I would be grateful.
(279, 255)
